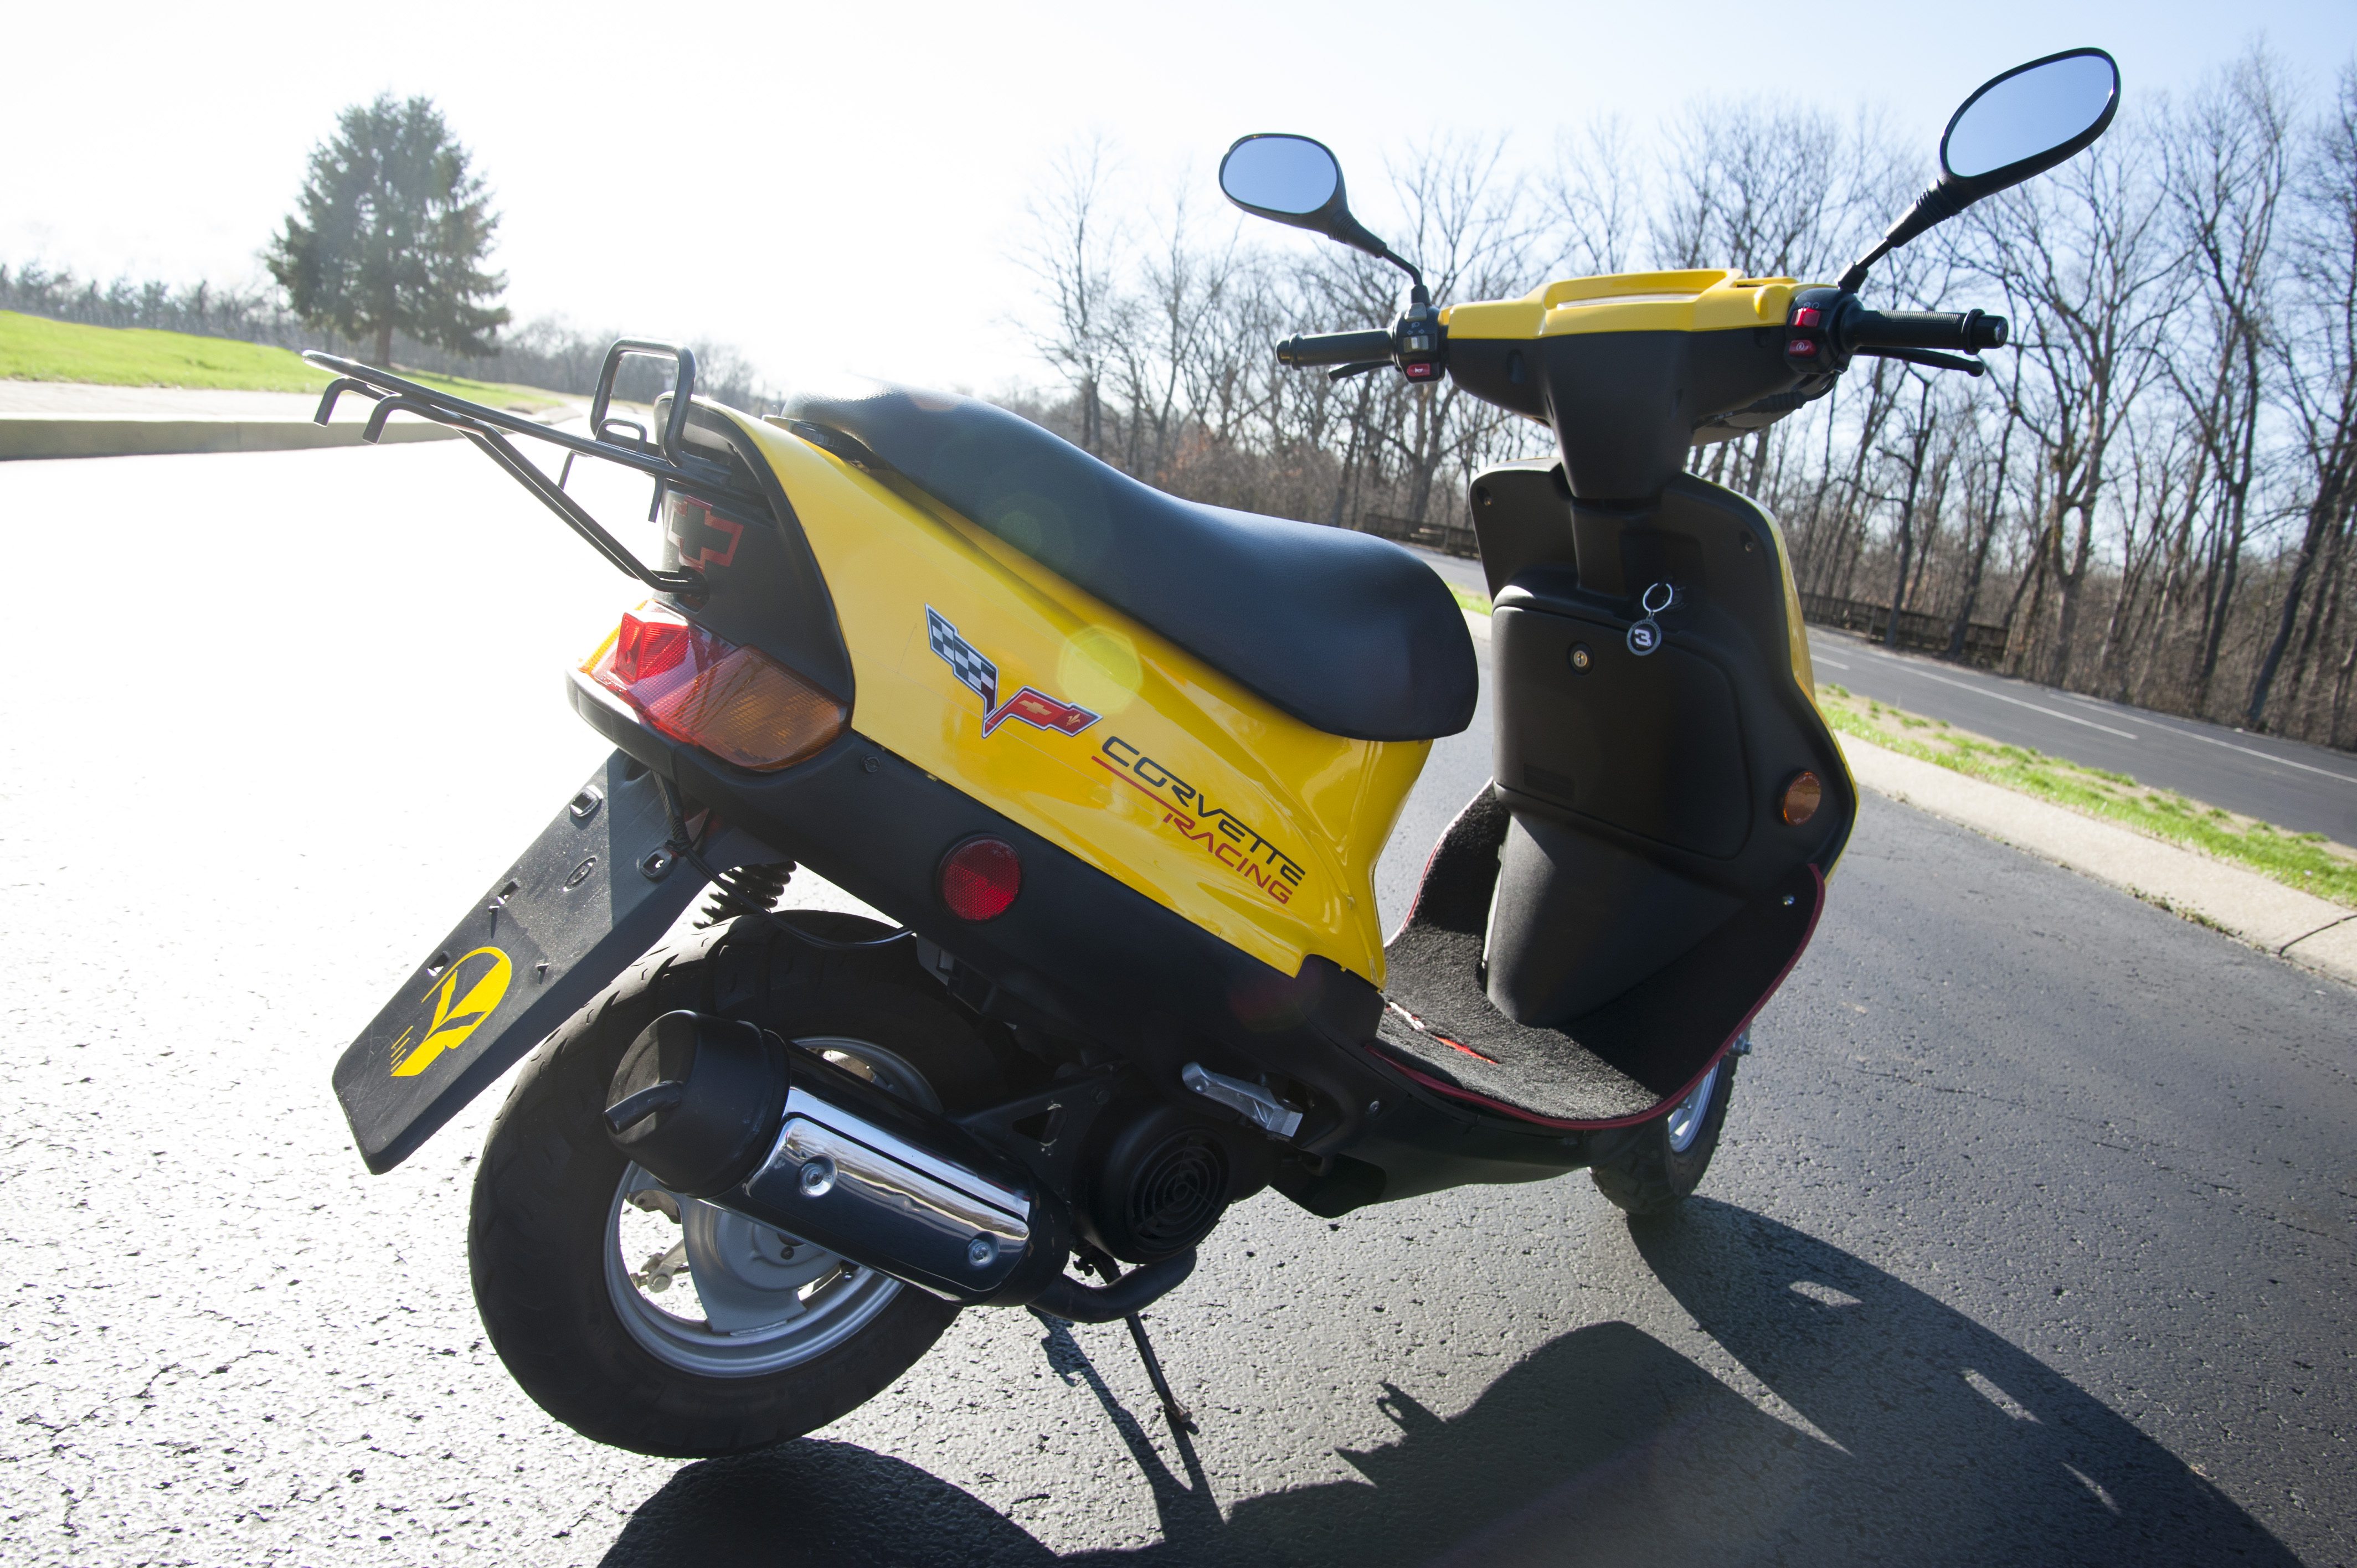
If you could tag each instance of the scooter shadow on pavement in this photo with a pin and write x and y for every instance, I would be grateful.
(1934, 1441)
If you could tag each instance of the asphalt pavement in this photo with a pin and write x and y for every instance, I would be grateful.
(2028, 1243)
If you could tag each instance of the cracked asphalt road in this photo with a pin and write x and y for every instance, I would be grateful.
(2030, 1241)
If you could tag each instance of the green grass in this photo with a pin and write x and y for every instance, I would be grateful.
(34, 349)
(1478, 603)
(2309, 861)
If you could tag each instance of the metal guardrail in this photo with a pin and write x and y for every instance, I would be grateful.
(1445, 538)
(1985, 645)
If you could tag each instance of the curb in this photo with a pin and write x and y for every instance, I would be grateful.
(2300, 927)
(35, 436)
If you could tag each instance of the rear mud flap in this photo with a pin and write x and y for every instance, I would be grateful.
(594, 891)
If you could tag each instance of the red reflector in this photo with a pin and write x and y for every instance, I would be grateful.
(980, 878)
(1808, 316)
(649, 644)
(1801, 349)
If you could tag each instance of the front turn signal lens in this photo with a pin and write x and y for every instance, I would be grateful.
(1801, 799)
(738, 704)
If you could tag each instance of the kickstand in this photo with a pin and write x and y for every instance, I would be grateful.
(1174, 1412)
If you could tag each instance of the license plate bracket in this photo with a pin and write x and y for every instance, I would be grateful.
(593, 892)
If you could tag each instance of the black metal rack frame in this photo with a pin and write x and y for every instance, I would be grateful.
(615, 440)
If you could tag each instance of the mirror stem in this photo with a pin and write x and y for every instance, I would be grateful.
(1418, 293)
(1855, 279)
(1936, 205)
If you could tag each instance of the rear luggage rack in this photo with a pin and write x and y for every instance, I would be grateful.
(625, 441)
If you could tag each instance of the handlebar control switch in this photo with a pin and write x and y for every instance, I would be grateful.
(1809, 345)
(1422, 348)
(1419, 342)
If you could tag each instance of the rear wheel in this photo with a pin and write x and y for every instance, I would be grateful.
(649, 1320)
(1664, 1161)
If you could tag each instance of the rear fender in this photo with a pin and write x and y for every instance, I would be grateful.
(592, 893)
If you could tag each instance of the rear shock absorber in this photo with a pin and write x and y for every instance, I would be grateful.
(744, 890)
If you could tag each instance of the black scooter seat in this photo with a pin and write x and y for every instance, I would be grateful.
(1347, 633)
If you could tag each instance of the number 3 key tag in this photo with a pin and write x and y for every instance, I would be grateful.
(1646, 635)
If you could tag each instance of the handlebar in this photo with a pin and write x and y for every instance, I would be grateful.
(1974, 330)
(1334, 347)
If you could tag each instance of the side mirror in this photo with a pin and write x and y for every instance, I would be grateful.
(2016, 125)
(1298, 181)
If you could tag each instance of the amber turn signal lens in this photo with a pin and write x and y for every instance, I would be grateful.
(738, 704)
(1802, 797)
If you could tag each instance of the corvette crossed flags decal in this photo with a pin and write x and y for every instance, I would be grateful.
(980, 676)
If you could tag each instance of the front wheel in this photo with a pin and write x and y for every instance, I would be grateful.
(652, 1321)
(1664, 1160)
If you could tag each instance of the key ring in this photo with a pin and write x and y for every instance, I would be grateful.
(1645, 636)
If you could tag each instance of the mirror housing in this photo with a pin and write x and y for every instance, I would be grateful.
(2017, 124)
(1286, 179)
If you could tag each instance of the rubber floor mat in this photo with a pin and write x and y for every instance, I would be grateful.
(1621, 1062)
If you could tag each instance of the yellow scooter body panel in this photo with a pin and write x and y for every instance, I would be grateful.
(1693, 300)
(1107, 738)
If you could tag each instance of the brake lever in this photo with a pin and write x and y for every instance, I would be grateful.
(1931, 357)
(1361, 368)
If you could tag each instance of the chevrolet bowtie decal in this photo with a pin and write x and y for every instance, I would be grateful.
(980, 676)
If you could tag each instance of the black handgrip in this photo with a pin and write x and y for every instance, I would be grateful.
(1334, 347)
(1971, 332)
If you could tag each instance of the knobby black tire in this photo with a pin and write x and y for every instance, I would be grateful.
(1645, 1176)
(545, 1189)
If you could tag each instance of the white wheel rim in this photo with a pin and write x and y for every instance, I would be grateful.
(1684, 1120)
(713, 1293)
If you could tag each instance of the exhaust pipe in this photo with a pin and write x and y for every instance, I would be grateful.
(718, 1109)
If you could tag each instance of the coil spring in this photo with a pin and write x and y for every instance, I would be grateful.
(744, 890)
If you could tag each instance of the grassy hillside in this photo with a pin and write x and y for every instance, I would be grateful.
(34, 348)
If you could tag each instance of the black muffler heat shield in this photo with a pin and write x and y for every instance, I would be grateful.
(723, 1111)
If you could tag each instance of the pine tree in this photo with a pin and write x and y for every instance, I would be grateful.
(390, 234)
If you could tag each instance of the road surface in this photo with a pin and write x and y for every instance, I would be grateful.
(2307, 789)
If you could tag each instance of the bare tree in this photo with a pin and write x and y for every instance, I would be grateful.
(2318, 357)
(2084, 262)
(1597, 201)
(2224, 171)
(1077, 256)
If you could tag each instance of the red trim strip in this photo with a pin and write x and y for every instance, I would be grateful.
(1517, 1113)
(1132, 783)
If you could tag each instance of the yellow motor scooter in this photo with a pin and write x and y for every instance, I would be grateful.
(1118, 768)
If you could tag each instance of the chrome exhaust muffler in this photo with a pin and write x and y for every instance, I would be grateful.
(722, 1110)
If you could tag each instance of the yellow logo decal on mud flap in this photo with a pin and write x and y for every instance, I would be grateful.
(456, 1012)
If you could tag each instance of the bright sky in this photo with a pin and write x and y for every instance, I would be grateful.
(840, 187)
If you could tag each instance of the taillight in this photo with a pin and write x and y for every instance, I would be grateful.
(980, 878)
(738, 704)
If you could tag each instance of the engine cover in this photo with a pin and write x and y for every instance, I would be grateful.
(1163, 1180)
